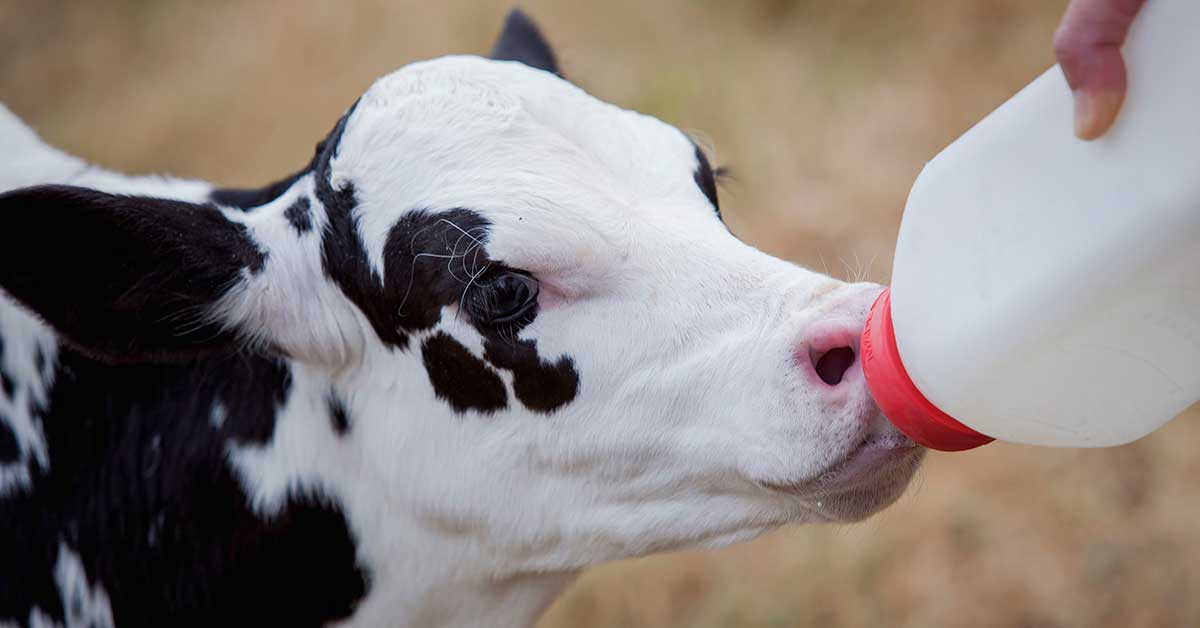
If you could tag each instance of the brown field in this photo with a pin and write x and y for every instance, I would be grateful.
(826, 111)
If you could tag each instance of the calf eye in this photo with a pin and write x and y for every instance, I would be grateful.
(508, 298)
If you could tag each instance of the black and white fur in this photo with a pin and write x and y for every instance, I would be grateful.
(494, 332)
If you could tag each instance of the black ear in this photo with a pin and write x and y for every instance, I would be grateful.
(123, 278)
(521, 40)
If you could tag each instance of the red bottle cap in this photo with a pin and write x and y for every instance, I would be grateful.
(896, 394)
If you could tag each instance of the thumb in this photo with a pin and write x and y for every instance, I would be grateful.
(1088, 45)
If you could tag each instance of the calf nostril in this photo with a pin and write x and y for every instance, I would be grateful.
(832, 365)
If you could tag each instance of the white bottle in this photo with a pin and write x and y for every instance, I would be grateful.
(1046, 290)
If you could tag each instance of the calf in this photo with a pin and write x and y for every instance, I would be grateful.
(494, 332)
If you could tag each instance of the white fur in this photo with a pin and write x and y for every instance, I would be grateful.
(24, 336)
(690, 347)
(85, 605)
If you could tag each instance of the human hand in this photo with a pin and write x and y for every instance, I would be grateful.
(1088, 45)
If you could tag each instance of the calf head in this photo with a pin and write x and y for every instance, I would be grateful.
(520, 305)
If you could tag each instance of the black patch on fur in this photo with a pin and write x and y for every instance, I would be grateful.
(343, 255)
(337, 414)
(10, 451)
(253, 390)
(705, 179)
(8, 385)
(430, 260)
(122, 277)
(344, 258)
(542, 386)
(521, 40)
(419, 286)
(140, 487)
(419, 280)
(460, 378)
(415, 285)
(299, 215)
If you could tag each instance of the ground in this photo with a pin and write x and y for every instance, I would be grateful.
(825, 112)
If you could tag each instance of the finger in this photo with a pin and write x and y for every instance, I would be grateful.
(1088, 44)
(1099, 100)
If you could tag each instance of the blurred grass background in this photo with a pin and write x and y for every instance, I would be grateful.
(826, 111)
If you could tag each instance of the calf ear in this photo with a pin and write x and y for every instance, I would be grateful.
(123, 278)
(521, 40)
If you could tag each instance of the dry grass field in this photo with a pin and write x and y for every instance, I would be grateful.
(825, 110)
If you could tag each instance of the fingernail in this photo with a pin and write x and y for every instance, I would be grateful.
(1085, 122)
(1095, 112)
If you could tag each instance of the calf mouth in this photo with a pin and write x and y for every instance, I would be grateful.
(870, 477)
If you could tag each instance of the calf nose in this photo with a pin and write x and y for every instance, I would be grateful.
(829, 348)
(831, 365)
(831, 352)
